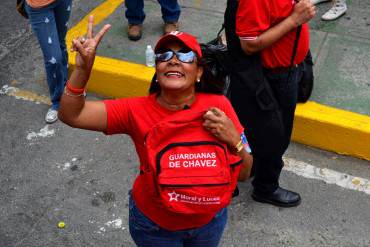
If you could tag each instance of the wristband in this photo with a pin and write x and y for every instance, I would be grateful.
(83, 94)
(74, 89)
(239, 146)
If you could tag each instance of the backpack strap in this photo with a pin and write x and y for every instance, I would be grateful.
(298, 34)
(219, 32)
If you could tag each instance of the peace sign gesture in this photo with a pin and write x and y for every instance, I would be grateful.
(86, 47)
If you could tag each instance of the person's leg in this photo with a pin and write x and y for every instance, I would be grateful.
(135, 11)
(44, 26)
(210, 234)
(266, 173)
(62, 13)
(286, 93)
(170, 14)
(170, 10)
(135, 16)
(338, 9)
(268, 169)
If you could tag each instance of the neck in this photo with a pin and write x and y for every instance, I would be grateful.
(175, 102)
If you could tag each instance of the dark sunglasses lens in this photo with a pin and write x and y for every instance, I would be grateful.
(164, 57)
(187, 57)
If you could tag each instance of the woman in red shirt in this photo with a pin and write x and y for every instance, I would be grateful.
(171, 202)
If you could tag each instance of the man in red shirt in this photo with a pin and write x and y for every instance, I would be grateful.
(264, 32)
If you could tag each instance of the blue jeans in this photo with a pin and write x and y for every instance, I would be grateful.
(50, 25)
(135, 11)
(268, 169)
(146, 233)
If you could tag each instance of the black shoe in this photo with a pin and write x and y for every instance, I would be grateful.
(280, 197)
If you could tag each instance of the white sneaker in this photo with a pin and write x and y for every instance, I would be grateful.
(51, 116)
(314, 2)
(338, 9)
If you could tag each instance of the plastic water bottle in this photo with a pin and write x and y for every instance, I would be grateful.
(149, 56)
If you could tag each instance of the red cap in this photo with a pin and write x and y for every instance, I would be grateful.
(188, 40)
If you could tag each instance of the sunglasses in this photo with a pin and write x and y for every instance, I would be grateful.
(185, 57)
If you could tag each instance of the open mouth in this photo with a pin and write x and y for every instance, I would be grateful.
(175, 74)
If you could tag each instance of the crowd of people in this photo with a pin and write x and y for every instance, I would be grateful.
(186, 181)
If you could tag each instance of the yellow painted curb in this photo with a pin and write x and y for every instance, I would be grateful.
(111, 77)
(332, 129)
(316, 125)
(117, 79)
(100, 13)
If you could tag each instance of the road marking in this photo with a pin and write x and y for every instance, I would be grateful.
(44, 132)
(298, 167)
(327, 175)
(117, 224)
(24, 95)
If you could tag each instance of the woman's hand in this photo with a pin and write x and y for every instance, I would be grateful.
(86, 48)
(303, 11)
(221, 126)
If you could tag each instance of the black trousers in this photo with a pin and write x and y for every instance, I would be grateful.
(265, 104)
(268, 168)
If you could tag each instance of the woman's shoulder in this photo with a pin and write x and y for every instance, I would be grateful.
(129, 102)
(134, 100)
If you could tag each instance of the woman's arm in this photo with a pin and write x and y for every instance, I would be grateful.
(74, 110)
(223, 128)
(303, 11)
(245, 171)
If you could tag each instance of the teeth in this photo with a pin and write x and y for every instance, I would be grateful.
(173, 73)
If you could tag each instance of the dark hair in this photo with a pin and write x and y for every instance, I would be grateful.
(208, 83)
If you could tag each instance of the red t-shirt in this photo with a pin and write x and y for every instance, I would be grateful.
(254, 17)
(135, 116)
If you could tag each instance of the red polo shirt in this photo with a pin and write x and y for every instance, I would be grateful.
(254, 17)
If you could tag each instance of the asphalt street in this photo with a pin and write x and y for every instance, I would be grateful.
(53, 173)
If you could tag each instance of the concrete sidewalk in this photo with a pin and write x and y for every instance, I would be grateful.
(337, 118)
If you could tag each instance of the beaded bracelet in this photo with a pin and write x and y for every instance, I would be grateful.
(74, 95)
(74, 89)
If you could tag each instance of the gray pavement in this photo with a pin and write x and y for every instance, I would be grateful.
(82, 177)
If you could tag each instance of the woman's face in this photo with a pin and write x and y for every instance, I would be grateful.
(177, 75)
